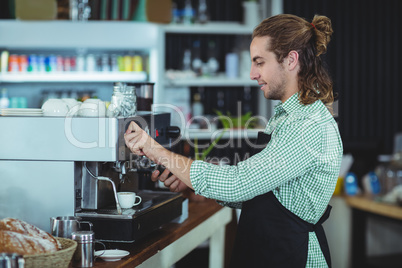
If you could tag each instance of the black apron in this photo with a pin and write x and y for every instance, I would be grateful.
(269, 235)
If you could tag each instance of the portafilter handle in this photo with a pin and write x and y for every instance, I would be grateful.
(173, 132)
(114, 191)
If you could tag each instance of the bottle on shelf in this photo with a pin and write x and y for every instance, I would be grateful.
(4, 100)
(41, 63)
(137, 63)
(175, 14)
(196, 62)
(351, 187)
(127, 63)
(212, 63)
(23, 63)
(67, 64)
(220, 104)
(232, 65)
(51, 63)
(197, 110)
(105, 65)
(80, 63)
(202, 12)
(381, 172)
(247, 105)
(13, 63)
(90, 63)
(197, 107)
(114, 64)
(187, 60)
(4, 61)
(188, 13)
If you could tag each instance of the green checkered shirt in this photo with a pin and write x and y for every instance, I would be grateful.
(300, 165)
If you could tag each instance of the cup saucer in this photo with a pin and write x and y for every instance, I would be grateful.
(111, 254)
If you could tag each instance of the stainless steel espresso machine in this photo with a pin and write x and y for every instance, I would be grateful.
(61, 166)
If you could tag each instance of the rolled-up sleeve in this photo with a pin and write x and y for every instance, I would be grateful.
(289, 154)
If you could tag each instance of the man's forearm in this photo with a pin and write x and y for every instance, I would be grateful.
(177, 164)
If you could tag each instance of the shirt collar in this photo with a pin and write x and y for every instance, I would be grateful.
(282, 109)
(292, 104)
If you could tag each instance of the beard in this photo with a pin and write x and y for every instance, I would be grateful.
(276, 88)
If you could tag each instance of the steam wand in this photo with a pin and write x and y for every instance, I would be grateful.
(109, 180)
(114, 191)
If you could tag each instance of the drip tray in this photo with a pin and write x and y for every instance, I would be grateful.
(156, 209)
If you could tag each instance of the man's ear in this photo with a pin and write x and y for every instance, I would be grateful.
(292, 60)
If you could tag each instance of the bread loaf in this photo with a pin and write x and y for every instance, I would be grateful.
(21, 237)
(12, 242)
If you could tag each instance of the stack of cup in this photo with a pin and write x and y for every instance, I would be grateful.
(92, 108)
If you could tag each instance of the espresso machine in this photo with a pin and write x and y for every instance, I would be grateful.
(63, 166)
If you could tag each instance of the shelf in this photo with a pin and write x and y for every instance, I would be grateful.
(73, 77)
(229, 134)
(221, 81)
(375, 207)
(65, 34)
(209, 28)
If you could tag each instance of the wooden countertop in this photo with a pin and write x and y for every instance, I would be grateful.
(373, 206)
(161, 238)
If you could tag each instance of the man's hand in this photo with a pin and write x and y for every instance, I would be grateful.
(172, 182)
(140, 143)
(137, 140)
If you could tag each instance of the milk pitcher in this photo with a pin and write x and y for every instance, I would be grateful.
(11, 260)
(64, 226)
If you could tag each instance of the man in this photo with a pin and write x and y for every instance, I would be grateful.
(283, 190)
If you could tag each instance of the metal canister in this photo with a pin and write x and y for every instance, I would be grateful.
(145, 95)
(11, 260)
(84, 254)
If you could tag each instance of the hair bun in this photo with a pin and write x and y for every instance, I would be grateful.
(324, 31)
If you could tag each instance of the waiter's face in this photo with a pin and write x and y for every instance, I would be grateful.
(266, 70)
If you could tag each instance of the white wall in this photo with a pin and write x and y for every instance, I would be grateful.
(338, 231)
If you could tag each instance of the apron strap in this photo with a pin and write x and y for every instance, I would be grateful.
(322, 239)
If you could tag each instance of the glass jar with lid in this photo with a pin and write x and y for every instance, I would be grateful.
(392, 180)
(382, 171)
(123, 102)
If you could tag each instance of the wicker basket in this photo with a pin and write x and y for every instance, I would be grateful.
(59, 259)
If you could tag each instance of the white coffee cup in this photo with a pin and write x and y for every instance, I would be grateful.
(92, 108)
(127, 199)
(55, 107)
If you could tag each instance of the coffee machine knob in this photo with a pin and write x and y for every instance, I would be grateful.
(173, 132)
